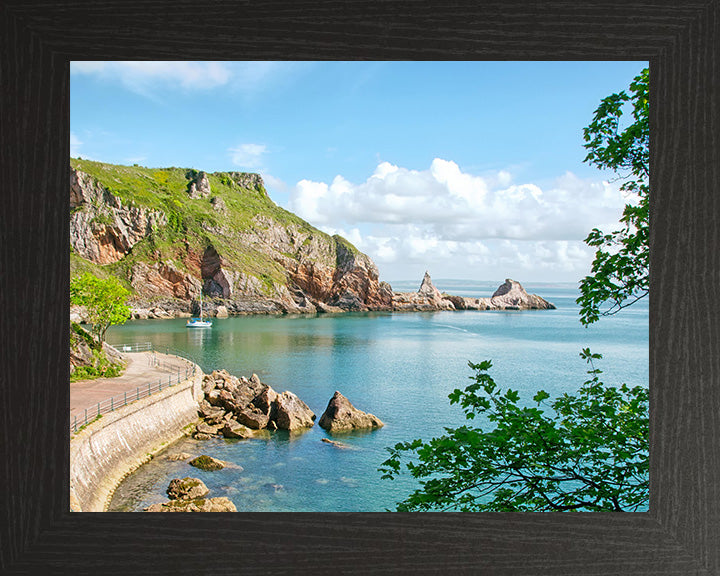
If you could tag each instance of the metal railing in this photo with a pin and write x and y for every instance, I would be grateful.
(174, 377)
(142, 347)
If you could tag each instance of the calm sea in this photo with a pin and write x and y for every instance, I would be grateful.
(399, 366)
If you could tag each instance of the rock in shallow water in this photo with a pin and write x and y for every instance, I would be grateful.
(340, 415)
(186, 489)
(292, 413)
(208, 463)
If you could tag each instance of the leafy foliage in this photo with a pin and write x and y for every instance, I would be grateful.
(104, 301)
(619, 275)
(583, 451)
(588, 452)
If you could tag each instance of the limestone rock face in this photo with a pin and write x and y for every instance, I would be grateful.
(218, 204)
(186, 489)
(88, 352)
(163, 279)
(511, 295)
(427, 288)
(102, 228)
(341, 416)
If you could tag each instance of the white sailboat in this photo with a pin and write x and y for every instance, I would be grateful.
(199, 322)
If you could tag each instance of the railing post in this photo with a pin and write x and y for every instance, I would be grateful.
(112, 408)
(98, 409)
(75, 424)
(137, 390)
(125, 397)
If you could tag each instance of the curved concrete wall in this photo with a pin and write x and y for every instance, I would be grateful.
(107, 450)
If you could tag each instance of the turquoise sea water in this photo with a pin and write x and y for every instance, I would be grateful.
(399, 366)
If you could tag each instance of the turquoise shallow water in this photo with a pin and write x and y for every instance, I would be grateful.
(399, 366)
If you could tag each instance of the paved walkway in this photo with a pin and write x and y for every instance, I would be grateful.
(143, 368)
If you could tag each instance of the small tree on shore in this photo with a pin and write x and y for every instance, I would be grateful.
(104, 300)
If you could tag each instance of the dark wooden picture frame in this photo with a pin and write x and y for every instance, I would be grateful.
(681, 532)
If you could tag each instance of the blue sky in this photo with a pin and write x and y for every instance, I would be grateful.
(470, 170)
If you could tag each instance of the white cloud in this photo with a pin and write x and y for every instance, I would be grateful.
(469, 226)
(460, 206)
(248, 156)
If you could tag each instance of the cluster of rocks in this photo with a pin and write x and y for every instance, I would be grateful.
(188, 495)
(238, 407)
(235, 407)
(509, 296)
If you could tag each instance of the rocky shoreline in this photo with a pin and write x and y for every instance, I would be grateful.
(239, 407)
(244, 408)
(509, 296)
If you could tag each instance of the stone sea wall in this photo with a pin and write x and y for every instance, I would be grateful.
(107, 450)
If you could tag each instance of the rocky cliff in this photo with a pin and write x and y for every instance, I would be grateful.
(170, 233)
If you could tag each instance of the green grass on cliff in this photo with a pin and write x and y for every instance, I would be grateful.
(194, 224)
(166, 189)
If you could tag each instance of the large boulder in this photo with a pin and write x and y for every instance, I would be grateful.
(186, 489)
(292, 413)
(341, 416)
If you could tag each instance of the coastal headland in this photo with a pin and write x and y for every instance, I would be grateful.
(172, 234)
